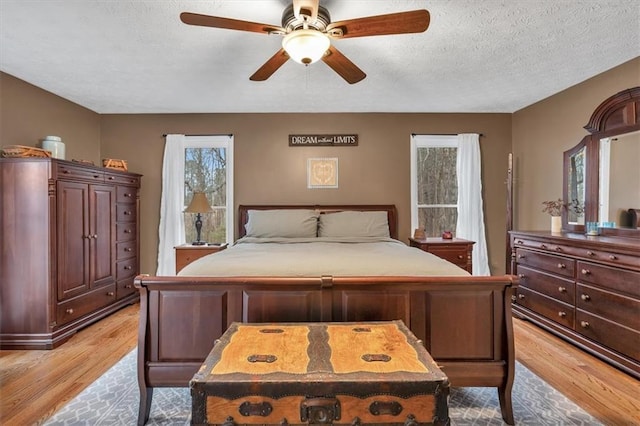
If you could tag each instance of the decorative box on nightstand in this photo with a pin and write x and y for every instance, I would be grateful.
(456, 250)
(187, 253)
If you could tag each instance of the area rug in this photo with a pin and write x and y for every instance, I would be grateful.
(113, 400)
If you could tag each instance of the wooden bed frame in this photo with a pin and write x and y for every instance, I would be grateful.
(464, 322)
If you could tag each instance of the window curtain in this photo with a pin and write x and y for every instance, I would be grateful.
(470, 225)
(171, 229)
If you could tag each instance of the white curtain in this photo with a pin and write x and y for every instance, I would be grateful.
(470, 225)
(171, 229)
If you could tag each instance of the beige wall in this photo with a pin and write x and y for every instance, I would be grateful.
(28, 114)
(268, 171)
(544, 130)
(377, 171)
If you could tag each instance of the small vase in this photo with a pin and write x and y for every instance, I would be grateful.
(54, 145)
(556, 224)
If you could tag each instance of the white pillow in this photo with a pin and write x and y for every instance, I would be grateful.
(286, 223)
(354, 224)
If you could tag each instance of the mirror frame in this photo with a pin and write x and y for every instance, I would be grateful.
(617, 115)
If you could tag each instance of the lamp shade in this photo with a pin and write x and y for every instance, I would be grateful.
(199, 204)
(306, 46)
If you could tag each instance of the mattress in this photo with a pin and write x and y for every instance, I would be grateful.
(314, 257)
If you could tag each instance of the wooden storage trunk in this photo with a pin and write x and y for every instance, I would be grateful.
(319, 373)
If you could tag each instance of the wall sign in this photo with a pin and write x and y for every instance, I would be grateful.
(323, 140)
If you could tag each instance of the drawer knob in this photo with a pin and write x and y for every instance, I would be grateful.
(519, 242)
(96, 176)
(590, 253)
(111, 178)
(520, 296)
(69, 311)
(585, 297)
(128, 194)
(543, 246)
(521, 256)
(94, 236)
(562, 266)
(127, 231)
(562, 314)
(562, 289)
(520, 275)
(127, 212)
(613, 257)
(558, 248)
(110, 293)
(128, 267)
(513, 298)
(460, 256)
(128, 286)
(584, 324)
(128, 249)
(586, 272)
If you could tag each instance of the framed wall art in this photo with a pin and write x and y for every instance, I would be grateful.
(322, 173)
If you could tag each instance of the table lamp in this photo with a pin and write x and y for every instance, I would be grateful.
(199, 204)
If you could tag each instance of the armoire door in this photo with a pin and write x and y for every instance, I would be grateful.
(102, 234)
(73, 239)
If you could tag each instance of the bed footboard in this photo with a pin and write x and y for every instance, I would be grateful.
(464, 322)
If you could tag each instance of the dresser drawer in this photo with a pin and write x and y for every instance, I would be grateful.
(126, 212)
(125, 231)
(621, 280)
(559, 288)
(70, 171)
(551, 263)
(126, 268)
(615, 307)
(610, 334)
(559, 312)
(126, 194)
(77, 307)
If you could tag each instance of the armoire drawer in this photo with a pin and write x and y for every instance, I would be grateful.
(126, 268)
(125, 287)
(126, 194)
(548, 262)
(126, 249)
(70, 171)
(610, 334)
(553, 286)
(126, 231)
(559, 312)
(621, 309)
(122, 179)
(607, 277)
(77, 307)
(126, 212)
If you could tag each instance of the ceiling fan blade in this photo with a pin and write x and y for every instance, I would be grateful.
(307, 8)
(228, 23)
(271, 66)
(343, 66)
(415, 21)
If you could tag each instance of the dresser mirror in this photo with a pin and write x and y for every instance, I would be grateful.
(601, 174)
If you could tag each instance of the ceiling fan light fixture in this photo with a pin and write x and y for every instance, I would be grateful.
(306, 46)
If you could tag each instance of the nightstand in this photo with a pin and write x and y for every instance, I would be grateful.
(456, 250)
(186, 253)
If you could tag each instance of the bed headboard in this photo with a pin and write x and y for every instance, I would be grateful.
(392, 214)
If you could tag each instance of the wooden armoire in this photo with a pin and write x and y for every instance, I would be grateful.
(70, 250)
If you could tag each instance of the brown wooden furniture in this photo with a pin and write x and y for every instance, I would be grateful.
(456, 250)
(319, 373)
(187, 253)
(180, 317)
(615, 116)
(585, 289)
(69, 239)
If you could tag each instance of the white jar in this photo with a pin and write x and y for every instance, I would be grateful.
(54, 145)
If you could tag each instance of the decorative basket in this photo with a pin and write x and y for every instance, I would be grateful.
(111, 163)
(21, 151)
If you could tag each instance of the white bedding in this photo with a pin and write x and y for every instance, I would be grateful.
(313, 257)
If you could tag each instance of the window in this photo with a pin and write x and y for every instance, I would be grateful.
(434, 184)
(208, 168)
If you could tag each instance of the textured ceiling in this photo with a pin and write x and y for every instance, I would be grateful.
(126, 56)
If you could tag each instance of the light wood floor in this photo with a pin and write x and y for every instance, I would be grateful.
(35, 384)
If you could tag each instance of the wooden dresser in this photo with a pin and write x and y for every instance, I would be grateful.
(456, 250)
(70, 251)
(585, 289)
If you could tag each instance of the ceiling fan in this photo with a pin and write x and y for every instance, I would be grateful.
(308, 31)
